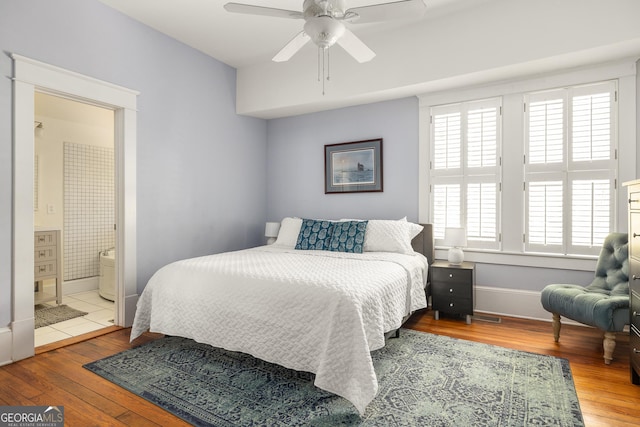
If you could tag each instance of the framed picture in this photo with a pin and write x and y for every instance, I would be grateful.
(353, 167)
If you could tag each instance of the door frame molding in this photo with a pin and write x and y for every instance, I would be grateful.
(31, 76)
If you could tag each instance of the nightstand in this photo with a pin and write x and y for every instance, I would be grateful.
(453, 288)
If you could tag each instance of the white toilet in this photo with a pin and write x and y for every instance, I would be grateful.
(107, 285)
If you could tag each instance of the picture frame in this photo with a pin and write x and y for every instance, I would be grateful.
(353, 167)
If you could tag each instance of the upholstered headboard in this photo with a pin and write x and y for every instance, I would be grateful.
(423, 242)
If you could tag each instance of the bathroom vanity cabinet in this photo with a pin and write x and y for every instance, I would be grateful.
(47, 265)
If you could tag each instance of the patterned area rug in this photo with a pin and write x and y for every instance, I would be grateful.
(46, 315)
(425, 380)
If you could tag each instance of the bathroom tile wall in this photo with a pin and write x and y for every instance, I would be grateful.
(89, 208)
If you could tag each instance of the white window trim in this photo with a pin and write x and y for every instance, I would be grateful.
(511, 254)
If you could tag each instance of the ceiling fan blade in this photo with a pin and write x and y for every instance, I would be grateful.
(385, 11)
(355, 47)
(263, 11)
(292, 47)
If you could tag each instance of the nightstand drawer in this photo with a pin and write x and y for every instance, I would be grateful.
(452, 275)
(451, 290)
(453, 305)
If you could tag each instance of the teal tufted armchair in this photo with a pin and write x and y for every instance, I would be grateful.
(603, 304)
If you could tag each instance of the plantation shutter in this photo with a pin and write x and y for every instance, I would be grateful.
(591, 127)
(545, 129)
(482, 134)
(465, 170)
(446, 208)
(570, 197)
(545, 215)
(591, 214)
(447, 142)
(482, 215)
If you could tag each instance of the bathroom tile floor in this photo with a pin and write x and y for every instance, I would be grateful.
(100, 314)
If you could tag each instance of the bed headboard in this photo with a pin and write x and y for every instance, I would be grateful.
(423, 242)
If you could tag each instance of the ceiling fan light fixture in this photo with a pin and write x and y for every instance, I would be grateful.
(324, 30)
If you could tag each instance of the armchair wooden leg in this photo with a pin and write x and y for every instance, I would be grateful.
(609, 345)
(556, 326)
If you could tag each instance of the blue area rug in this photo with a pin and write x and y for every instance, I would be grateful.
(425, 380)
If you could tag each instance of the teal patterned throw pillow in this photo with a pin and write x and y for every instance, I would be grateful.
(314, 235)
(348, 236)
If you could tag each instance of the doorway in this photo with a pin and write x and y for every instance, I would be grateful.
(31, 76)
(74, 197)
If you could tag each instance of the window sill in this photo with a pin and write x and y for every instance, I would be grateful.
(561, 262)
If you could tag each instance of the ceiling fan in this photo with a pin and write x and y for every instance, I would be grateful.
(324, 23)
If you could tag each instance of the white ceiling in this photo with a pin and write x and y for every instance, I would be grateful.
(242, 40)
(457, 43)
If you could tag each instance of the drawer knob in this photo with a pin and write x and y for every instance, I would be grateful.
(450, 274)
(450, 304)
(635, 314)
(636, 351)
(636, 234)
(42, 253)
(450, 291)
(634, 277)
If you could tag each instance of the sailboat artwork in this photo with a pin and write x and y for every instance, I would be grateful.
(353, 167)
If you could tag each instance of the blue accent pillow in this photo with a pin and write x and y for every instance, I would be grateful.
(315, 235)
(348, 236)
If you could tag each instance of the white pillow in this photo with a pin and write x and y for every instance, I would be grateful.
(414, 229)
(288, 234)
(389, 236)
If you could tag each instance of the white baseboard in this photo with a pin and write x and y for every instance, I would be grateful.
(80, 285)
(513, 303)
(6, 339)
(22, 338)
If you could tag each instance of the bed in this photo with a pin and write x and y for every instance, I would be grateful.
(320, 311)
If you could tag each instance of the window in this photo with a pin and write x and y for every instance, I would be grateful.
(465, 170)
(570, 168)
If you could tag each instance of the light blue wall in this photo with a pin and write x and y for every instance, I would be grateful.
(295, 162)
(201, 168)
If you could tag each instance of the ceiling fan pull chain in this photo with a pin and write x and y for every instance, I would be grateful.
(323, 70)
(328, 64)
(319, 62)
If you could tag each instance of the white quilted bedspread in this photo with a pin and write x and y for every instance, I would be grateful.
(314, 311)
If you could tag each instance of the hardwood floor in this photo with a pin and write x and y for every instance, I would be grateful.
(56, 376)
